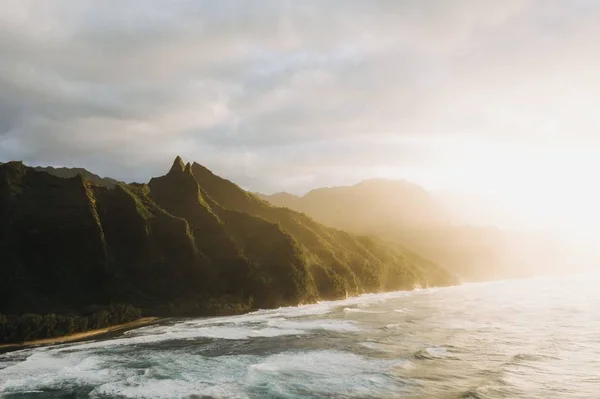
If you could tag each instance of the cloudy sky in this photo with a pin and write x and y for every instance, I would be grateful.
(497, 98)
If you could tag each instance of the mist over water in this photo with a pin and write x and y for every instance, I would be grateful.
(532, 338)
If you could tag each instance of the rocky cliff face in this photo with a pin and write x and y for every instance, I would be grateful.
(184, 243)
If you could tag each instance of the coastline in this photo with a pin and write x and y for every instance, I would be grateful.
(145, 321)
(80, 336)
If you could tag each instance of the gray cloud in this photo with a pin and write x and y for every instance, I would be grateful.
(291, 94)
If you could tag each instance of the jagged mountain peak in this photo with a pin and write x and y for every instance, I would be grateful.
(201, 169)
(178, 165)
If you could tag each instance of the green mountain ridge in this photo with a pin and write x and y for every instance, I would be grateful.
(72, 172)
(186, 243)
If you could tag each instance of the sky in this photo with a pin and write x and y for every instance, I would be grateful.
(489, 98)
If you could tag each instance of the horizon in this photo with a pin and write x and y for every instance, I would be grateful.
(493, 101)
(441, 198)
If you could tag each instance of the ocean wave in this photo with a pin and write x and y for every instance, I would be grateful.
(457, 341)
(359, 310)
(167, 374)
(315, 325)
(393, 326)
(325, 373)
(433, 352)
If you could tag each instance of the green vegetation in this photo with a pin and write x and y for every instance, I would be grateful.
(187, 243)
(30, 326)
(67, 173)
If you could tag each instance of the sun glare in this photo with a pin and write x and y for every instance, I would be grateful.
(546, 187)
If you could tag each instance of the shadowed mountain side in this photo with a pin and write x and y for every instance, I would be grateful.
(72, 172)
(188, 243)
(51, 240)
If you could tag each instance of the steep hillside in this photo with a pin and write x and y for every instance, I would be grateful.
(407, 214)
(187, 243)
(362, 263)
(72, 172)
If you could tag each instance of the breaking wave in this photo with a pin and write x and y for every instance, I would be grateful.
(459, 342)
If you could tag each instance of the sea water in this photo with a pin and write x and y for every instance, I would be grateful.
(531, 338)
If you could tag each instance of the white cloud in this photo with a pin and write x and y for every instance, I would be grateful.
(293, 94)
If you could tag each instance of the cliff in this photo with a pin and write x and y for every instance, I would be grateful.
(188, 242)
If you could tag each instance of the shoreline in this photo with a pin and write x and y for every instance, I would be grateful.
(145, 321)
(80, 336)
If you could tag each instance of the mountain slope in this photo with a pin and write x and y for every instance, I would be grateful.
(407, 214)
(367, 205)
(72, 172)
(188, 242)
(361, 263)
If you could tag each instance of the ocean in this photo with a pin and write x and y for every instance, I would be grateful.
(529, 338)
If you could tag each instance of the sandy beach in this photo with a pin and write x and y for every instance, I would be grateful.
(81, 335)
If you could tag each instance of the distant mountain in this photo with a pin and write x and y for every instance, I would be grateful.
(186, 243)
(367, 205)
(408, 214)
(67, 173)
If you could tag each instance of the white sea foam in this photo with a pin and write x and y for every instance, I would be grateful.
(109, 366)
(393, 326)
(308, 325)
(241, 333)
(404, 364)
(376, 346)
(167, 373)
(262, 323)
(49, 369)
(448, 339)
(359, 310)
(167, 388)
(179, 374)
(326, 307)
(325, 373)
(434, 352)
(229, 332)
(437, 351)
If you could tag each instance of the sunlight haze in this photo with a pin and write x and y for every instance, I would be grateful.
(300, 199)
(491, 99)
